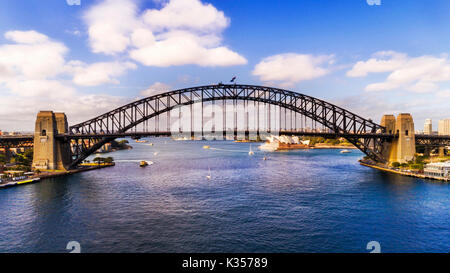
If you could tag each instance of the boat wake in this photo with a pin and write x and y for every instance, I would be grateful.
(225, 150)
(133, 161)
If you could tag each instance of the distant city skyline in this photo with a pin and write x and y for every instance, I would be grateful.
(87, 59)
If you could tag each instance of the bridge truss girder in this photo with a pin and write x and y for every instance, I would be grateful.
(432, 141)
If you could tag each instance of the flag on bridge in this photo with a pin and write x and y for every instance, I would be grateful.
(233, 79)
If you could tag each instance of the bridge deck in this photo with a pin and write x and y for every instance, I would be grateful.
(199, 133)
(419, 137)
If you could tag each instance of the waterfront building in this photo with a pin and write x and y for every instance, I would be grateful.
(17, 150)
(438, 169)
(444, 127)
(428, 127)
(283, 142)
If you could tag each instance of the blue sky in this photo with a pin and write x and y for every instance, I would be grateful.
(372, 60)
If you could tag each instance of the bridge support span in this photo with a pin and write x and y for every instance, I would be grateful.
(403, 148)
(50, 153)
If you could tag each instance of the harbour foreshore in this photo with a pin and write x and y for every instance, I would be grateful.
(319, 146)
(83, 168)
(400, 172)
(51, 174)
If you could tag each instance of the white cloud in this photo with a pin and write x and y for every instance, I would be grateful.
(109, 25)
(19, 113)
(26, 37)
(182, 48)
(155, 88)
(290, 68)
(35, 75)
(186, 14)
(44, 88)
(181, 32)
(32, 56)
(416, 74)
(444, 94)
(74, 32)
(375, 104)
(31, 65)
(100, 73)
(383, 61)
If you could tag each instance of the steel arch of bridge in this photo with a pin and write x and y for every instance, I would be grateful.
(338, 120)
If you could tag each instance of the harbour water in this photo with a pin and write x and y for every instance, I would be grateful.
(295, 201)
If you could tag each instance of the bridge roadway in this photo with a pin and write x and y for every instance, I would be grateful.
(421, 139)
(17, 138)
(16, 141)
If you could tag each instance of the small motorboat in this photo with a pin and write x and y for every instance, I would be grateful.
(143, 163)
(206, 147)
(155, 153)
(264, 158)
(345, 151)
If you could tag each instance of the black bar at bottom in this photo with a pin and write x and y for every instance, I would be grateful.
(229, 262)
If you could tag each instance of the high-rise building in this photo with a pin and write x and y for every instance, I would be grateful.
(428, 127)
(444, 127)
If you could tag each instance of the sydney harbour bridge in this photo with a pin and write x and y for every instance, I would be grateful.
(222, 111)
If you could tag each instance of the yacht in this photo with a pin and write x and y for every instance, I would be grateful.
(209, 175)
(251, 152)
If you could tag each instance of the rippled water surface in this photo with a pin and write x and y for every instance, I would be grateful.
(297, 201)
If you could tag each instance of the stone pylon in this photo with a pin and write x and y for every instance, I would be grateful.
(402, 148)
(50, 153)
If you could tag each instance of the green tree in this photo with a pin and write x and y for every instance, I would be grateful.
(3, 159)
(395, 164)
(28, 154)
(320, 140)
(420, 159)
(109, 160)
(99, 160)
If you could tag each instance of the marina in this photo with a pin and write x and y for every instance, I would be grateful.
(35, 178)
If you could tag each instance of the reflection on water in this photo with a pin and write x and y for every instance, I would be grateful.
(296, 201)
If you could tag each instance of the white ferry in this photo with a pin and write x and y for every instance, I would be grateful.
(440, 170)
